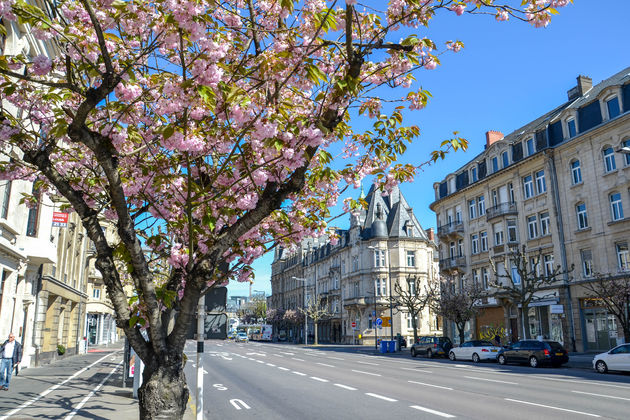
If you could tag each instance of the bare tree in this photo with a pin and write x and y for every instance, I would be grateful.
(614, 293)
(522, 281)
(317, 310)
(458, 304)
(413, 299)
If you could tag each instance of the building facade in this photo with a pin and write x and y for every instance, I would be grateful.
(385, 245)
(558, 185)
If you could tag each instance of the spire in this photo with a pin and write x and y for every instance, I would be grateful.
(362, 195)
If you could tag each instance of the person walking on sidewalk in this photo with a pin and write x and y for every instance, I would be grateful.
(11, 352)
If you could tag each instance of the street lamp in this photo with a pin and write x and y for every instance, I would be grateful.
(305, 314)
(625, 150)
(391, 303)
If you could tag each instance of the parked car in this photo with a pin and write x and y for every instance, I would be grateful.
(475, 350)
(534, 352)
(430, 346)
(241, 338)
(616, 359)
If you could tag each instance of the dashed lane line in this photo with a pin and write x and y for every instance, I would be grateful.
(490, 380)
(335, 358)
(431, 385)
(366, 373)
(299, 360)
(367, 363)
(319, 379)
(428, 410)
(553, 408)
(298, 373)
(349, 388)
(324, 364)
(283, 368)
(271, 364)
(602, 395)
(381, 397)
(417, 370)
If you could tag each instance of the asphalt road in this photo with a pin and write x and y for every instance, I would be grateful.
(279, 381)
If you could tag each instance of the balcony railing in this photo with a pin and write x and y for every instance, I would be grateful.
(453, 262)
(452, 227)
(501, 209)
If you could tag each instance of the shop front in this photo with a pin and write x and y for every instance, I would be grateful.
(600, 327)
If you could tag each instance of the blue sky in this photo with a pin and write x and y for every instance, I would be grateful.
(508, 74)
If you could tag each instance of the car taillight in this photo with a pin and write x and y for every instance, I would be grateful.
(546, 352)
(486, 350)
(435, 345)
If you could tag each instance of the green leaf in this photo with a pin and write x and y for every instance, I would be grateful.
(169, 130)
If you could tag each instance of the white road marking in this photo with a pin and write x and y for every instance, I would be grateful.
(490, 380)
(287, 353)
(417, 370)
(380, 397)
(299, 373)
(434, 386)
(553, 408)
(91, 394)
(51, 389)
(366, 373)
(237, 403)
(335, 358)
(324, 364)
(367, 363)
(583, 382)
(259, 361)
(220, 387)
(299, 360)
(349, 388)
(271, 364)
(319, 379)
(602, 395)
(251, 358)
(283, 368)
(278, 355)
(428, 410)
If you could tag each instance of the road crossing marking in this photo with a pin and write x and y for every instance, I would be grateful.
(366, 373)
(324, 364)
(380, 397)
(601, 395)
(553, 408)
(428, 410)
(491, 380)
(349, 388)
(94, 391)
(319, 379)
(434, 386)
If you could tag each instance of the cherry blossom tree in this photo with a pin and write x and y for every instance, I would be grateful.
(207, 130)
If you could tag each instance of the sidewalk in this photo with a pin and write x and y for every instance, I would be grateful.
(87, 386)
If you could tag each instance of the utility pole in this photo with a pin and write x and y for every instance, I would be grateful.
(201, 317)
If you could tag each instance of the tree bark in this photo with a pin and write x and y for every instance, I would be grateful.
(164, 393)
(460, 329)
(316, 343)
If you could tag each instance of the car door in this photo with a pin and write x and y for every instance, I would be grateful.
(619, 358)
(626, 358)
(516, 353)
(422, 346)
(463, 351)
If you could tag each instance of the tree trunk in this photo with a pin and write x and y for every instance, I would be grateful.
(460, 330)
(316, 343)
(164, 393)
(524, 316)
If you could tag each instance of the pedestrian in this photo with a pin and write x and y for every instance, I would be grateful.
(11, 352)
(497, 339)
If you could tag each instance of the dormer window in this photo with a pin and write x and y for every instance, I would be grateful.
(506, 159)
(473, 174)
(531, 146)
(495, 164)
(571, 128)
(612, 105)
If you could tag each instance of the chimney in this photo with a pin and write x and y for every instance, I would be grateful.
(584, 84)
(493, 136)
(431, 234)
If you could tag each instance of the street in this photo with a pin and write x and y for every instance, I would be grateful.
(280, 381)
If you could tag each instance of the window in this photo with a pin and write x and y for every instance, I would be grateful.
(532, 227)
(33, 213)
(481, 205)
(626, 155)
(545, 228)
(505, 159)
(528, 186)
(472, 209)
(582, 217)
(495, 198)
(452, 250)
(623, 258)
(3, 280)
(474, 243)
(616, 207)
(548, 263)
(609, 159)
(571, 127)
(576, 172)
(410, 321)
(511, 230)
(5, 196)
(484, 277)
(495, 164)
(587, 262)
(511, 192)
(458, 214)
(475, 276)
(613, 107)
(498, 234)
(534, 263)
(380, 287)
(379, 258)
(355, 263)
(460, 247)
(484, 241)
(96, 293)
(541, 185)
(411, 258)
(530, 146)
(473, 175)
(412, 286)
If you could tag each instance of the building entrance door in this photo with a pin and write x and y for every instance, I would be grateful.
(600, 329)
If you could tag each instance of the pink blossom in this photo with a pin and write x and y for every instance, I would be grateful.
(502, 16)
(41, 65)
(458, 9)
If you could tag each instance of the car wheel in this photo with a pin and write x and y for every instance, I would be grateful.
(533, 362)
(475, 358)
(413, 352)
(451, 356)
(429, 354)
(601, 367)
(502, 359)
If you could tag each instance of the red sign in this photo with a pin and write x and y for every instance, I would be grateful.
(60, 219)
(354, 324)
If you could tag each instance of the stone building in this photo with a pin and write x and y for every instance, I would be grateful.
(355, 277)
(558, 185)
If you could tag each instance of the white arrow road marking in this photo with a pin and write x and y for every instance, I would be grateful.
(428, 410)
(380, 397)
(553, 408)
(236, 402)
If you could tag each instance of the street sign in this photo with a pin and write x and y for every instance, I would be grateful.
(379, 322)
(373, 313)
(354, 324)
(386, 321)
(60, 219)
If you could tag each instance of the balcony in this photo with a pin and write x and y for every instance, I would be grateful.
(451, 228)
(501, 209)
(453, 263)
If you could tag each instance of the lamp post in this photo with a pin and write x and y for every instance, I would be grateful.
(305, 314)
